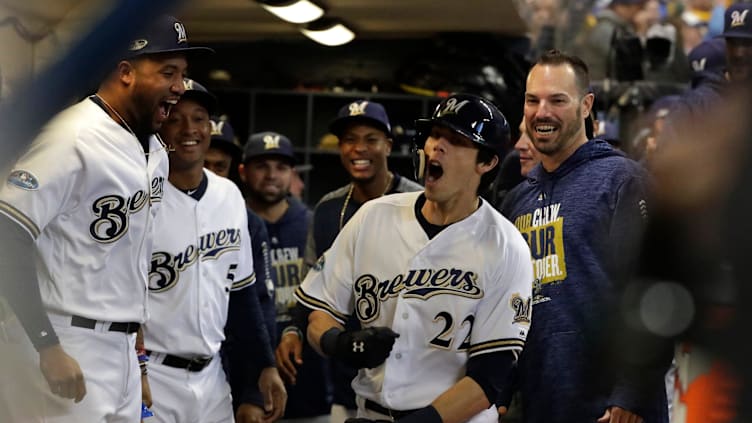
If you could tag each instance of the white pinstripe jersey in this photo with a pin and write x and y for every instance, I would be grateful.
(87, 195)
(202, 251)
(463, 293)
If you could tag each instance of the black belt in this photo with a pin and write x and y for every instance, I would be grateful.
(195, 364)
(395, 414)
(86, 323)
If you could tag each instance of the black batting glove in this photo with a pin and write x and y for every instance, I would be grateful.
(366, 348)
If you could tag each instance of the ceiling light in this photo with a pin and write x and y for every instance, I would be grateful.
(295, 11)
(328, 31)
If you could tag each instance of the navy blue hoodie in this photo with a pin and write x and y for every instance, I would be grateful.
(582, 223)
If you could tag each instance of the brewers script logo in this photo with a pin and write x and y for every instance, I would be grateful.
(739, 18)
(271, 141)
(452, 106)
(543, 231)
(165, 267)
(180, 30)
(421, 283)
(113, 211)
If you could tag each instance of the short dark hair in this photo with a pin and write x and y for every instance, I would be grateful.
(581, 72)
(486, 155)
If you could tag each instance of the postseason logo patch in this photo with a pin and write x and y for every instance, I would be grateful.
(319, 266)
(24, 180)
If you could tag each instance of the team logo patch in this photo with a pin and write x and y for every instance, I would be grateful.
(319, 266)
(521, 307)
(24, 180)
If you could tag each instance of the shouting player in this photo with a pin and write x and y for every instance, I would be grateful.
(443, 296)
(80, 205)
(200, 283)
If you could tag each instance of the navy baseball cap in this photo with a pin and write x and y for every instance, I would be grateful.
(223, 137)
(736, 21)
(708, 57)
(165, 35)
(199, 93)
(363, 111)
(268, 143)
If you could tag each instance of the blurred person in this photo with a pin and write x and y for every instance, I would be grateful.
(267, 172)
(390, 262)
(223, 157)
(524, 145)
(737, 31)
(298, 185)
(200, 285)
(80, 206)
(579, 272)
(364, 139)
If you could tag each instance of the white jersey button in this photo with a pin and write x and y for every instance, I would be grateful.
(398, 356)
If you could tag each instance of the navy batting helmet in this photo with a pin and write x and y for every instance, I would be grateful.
(471, 116)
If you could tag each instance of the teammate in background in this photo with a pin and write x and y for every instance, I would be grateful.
(528, 155)
(77, 213)
(199, 282)
(578, 265)
(223, 157)
(266, 170)
(444, 305)
(365, 141)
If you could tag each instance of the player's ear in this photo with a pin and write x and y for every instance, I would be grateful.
(484, 167)
(241, 172)
(126, 72)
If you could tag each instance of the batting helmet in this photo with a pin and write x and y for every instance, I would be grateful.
(471, 116)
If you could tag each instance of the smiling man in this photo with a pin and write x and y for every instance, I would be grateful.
(581, 212)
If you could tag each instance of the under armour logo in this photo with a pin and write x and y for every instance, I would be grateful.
(180, 29)
(359, 346)
(738, 18)
(271, 141)
(699, 65)
(452, 106)
(358, 108)
(216, 127)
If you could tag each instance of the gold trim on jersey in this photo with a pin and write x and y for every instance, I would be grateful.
(496, 345)
(317, 304)
(244, 282)
(21, 218)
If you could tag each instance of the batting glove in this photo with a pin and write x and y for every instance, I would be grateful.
(366, 348)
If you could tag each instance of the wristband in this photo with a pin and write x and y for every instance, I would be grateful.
(295, 330)
(328, 341)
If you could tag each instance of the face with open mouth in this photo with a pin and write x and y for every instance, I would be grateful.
(451, 170)
(554, 109)
(157, 88)
(188, 131)
(364, 150)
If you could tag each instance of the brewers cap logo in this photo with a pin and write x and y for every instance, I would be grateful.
(216, 127)
(452, 106)
(739, 18)
(358, 108)
(271, 141)
(180, 30)
(188, 84)
(699, 65)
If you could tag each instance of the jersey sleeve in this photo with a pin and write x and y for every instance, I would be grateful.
(245, 275)
(502, 319)
(328, 286)
(42, 183)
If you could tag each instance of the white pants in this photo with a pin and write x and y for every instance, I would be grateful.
(107, 360)
(490, 415)
(182, 396)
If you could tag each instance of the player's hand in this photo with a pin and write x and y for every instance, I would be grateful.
(62, 373)
(365, 348)
(275, 395)
(619, 415)
(289, 355)
(146, 391)
(250, 413)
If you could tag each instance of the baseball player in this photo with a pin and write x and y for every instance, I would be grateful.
(80, 204)
(443, 296)
(222, 158)
(365, 141)
(199, 281)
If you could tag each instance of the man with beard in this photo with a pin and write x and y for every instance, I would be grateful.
(267, 171)
(581, 212)
(80, 205)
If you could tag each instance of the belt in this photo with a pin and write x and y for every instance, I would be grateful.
(195, 364)
(395, 414)
(86, 323)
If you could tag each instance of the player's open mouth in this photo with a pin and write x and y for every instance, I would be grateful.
(545, 129)
(360, 164)
(434, 171)
(189, 143)
(165, 107)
